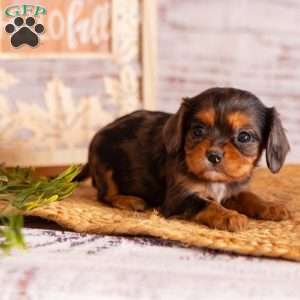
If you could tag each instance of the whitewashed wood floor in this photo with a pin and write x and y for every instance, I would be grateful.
(65, 265)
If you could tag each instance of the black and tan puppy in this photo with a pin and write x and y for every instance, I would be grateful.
(196, 163)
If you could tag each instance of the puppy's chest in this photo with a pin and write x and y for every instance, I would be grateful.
(213, 191)
(218, 191)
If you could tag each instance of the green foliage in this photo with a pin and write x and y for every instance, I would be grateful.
(24, 191)
(12, 233)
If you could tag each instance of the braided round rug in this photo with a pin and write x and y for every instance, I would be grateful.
(83, 213)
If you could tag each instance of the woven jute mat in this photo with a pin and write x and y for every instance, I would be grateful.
(83, 213)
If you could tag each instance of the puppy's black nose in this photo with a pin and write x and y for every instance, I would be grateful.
(214, 157)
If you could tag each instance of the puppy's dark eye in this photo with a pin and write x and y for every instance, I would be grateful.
(198, 131)
(244, 137)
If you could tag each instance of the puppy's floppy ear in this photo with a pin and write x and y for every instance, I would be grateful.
(174, 128)
(277, 143)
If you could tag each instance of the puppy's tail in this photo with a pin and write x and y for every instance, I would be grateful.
(84, 173)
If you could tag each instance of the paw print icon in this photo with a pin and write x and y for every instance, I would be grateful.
(24, 32)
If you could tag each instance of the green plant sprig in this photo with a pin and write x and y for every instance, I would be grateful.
(11, 233)
(23, 191)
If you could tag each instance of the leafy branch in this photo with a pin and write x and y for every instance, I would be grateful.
(23, 191)
(12, 233)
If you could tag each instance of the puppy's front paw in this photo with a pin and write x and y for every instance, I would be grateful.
(218, 217)
(254, 207)
(273, 212)
(230, 221)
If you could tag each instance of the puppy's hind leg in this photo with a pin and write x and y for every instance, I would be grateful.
(113, 197)
(128, 202)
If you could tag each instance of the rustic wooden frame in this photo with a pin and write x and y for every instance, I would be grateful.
(149, 51)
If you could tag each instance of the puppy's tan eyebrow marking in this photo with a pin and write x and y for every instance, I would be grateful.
(238, 119)
(206, 116)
